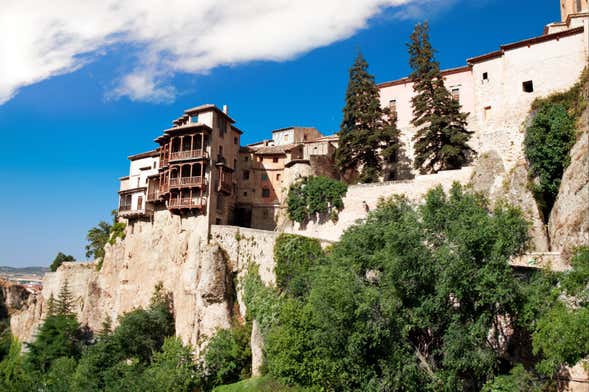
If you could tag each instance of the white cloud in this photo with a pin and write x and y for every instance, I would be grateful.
(41, 39)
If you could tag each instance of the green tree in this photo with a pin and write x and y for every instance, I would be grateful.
(97, 238)
(59, 259)
(315, 195)
(173, 369)
(65, 300)
(441, 142)
(14, 376)
(51, 306)
(368, 136)
(547, 143)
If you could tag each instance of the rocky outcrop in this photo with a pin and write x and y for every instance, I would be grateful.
(490, 178)
(569, 219)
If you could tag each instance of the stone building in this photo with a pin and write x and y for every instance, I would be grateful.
(497, 88)
(133, 194)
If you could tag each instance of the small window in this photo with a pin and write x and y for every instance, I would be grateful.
(393, 105)
(275, 159)
(485, 76)
(235, 164)
(246, 174)
(264, 177)
(456, 94)
(244, 194)
(194, 119)
(278, 177)
(265, 192)
(154, 164)
(579, 7)
(246, 158)
(487, 113)
(235, 140)
(261, 159)
(528, 87)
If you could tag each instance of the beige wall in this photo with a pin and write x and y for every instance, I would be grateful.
(568, 7)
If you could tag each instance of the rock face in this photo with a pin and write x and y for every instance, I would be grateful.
(569, 219)
(490, 178)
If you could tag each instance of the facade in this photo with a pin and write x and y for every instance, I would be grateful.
(133, 194)
(497, 88)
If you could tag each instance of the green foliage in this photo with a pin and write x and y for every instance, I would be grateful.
(59, 259)
(58, 336)
(59, 377)
(315, 195)
(368, 136)
(262, 302)
(294, 256)
(104, 233)
(257, 384)
(560, 334)
(441, 143)
(518, 379)
(547, 144)
(405, 301)
(228, 356)
(14, 376)
(65, 301)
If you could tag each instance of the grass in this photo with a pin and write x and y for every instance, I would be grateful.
(257, 384)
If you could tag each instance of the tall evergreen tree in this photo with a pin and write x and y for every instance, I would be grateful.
(51, 306)
(368, 136)
(441, 141)
(65, 300)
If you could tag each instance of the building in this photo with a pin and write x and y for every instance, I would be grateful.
(133, 194)
(497, 88)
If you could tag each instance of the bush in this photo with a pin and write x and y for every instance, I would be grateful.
(294, 256)
(315, 195)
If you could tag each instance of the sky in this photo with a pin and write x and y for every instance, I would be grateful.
(83, 85)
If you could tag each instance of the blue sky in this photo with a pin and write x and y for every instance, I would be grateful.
(66, 133)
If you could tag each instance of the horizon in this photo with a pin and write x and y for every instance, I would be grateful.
(81, 125)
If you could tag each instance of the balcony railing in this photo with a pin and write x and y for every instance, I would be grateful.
(187, 202)
(124, 207)
(177, 182)
(189, 154)
(225, 186)
(153, 195)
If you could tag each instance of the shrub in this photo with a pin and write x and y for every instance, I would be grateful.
(315, 195)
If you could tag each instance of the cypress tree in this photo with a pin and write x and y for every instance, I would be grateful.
(441, 140)
(368, 136)
(51, 306)
(65, 300)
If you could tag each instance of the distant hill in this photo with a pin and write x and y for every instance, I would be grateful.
(24, 270)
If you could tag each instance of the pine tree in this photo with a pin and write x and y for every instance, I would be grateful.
(51, 306)
(65, 300)
(106, 329)
(368, 136)
(441, 141)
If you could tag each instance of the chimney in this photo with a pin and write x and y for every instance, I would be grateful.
(225, 109)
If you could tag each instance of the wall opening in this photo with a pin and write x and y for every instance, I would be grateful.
(528, 86)
(485, 76)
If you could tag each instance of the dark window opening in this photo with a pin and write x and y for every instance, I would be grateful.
(528, 86)
(578, 5)
(393, 106)
(246, 174)
(265, 192)
(264, 177)
(234, 140)
(456, 94)
(275, 159)
(245, 194)
(278, 177)
(485, 76)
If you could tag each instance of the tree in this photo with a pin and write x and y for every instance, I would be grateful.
(97, 238)
(59, 259)
(65, 300)
(441, 140)
(368, 136)
(51, 306)
(315, 195)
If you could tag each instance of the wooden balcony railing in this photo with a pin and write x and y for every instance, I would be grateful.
(153, 195)
(187, 202)
(225, 186)
(124, 207)
(177, 182)
(188, 154)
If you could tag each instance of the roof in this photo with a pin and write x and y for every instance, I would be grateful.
(147, 154)
(526, 42)
(327, 138)
(207, 107)
(169, 131)
(273, 150)
(445, 72)
(236, 129)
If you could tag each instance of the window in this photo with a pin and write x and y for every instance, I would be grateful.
(222, 125)
(393, 105)
(234, 163)
(485, 76)
(264, 177)
(245, 194)
(246, 174)
(235, 140)
(275, 159)
(579, 6)
(154, 164)
(265, 192)
(456, 94)
(194, 118)
(487, 113)
(261, 159)
(528, 87)
(278, 177)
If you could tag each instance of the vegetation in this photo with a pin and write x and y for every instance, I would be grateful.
(368, 136)
(258, 384)
(441, 143)
(104, 233)
(59, 259)
(311, 196)
(549, 139)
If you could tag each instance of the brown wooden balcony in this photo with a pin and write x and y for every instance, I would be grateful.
(124, 207)
(180, 182)
(188, 154)
(153, 195)
(186, 202)
(225, 186)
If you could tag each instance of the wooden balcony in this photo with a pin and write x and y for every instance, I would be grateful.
(188, 154)
(124, 207)
(225, 186)
(181, 182)
(187, 202)
(153, 195)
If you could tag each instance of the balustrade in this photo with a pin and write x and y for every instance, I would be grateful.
(187, 154)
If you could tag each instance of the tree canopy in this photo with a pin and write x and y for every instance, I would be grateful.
(59, 259)
(441, 141)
